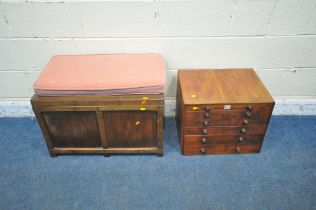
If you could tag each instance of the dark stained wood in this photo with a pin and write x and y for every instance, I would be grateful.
(224, 118)
(87, 100)
(222, 149)
(221, 86)
(130, 128)
(100, 150)
(159, 131)
(225, 130)
(222, 139)
(73, 129)
(233, 107)
(44, 128)
(219, 106)
(101, 125)
(97, 108)
(78, 124)
(179, 114)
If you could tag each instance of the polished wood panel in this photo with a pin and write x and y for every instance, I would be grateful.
(201, 140)
(88, 100)
(221, 86)
(130, 128)
(233, 107)
(225, 130)
(224, 118)
(73, 129)
(221, 149)
(221, 111)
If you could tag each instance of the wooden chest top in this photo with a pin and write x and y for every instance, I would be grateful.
(220, 86)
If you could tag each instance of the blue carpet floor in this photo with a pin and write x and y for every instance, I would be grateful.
(282, 176)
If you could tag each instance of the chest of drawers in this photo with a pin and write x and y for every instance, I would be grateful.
(223, 111)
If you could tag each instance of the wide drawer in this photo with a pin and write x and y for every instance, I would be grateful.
(224, 118)
(254, 128)
(221, 149)
(200, 140)
(219, 107)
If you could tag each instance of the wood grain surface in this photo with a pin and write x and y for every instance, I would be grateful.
(220, 86)
(101, 124)
(222, 111)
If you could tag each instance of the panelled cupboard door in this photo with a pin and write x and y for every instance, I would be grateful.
(130, 128)
(73, 129)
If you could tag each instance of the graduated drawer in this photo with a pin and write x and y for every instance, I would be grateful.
(202, 140)
(224, 118)
(219, 107)
(254, 128)
(221, 149)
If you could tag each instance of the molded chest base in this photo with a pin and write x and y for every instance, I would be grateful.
(101, 124)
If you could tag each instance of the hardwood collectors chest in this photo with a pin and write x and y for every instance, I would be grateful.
(101, 124)
(223, 111)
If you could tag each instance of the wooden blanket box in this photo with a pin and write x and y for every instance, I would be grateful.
(101, 124)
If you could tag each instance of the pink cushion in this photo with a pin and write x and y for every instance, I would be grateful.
(102, 74)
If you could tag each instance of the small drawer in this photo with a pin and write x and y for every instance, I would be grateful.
(221, 149)
(224, 118)
(254, 128)
(221, 107)
(200, 140)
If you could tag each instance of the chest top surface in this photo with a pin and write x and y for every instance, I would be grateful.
(221, 86)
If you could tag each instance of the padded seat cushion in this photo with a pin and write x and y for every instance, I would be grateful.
(108, 74)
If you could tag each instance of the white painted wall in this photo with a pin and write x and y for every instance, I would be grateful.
(276, 37)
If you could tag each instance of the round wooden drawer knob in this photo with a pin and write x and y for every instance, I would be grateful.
(248, 114)
(240, 139)
(204, 131)
(207, 115)
(204, 140)
(243, 130)
(203, 151)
